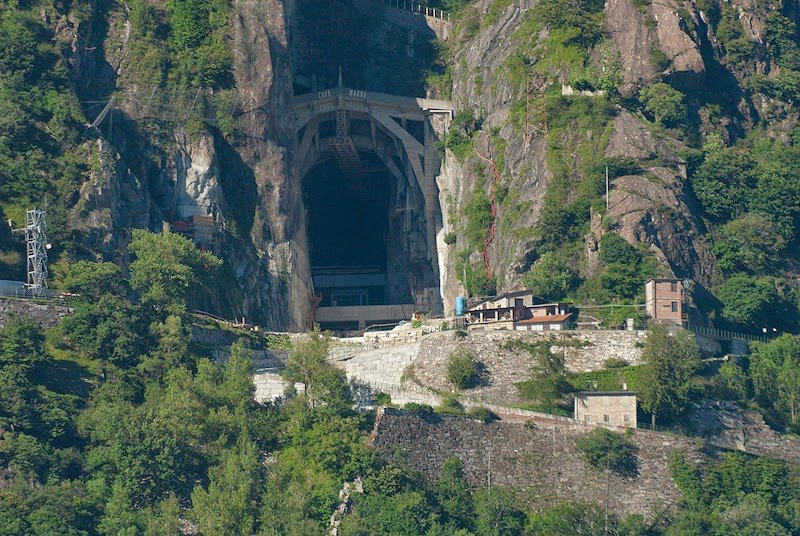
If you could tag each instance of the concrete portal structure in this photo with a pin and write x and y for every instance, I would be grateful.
(359, 130)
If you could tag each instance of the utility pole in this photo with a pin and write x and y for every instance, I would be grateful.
(36, 244)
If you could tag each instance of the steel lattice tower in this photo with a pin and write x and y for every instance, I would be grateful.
(36, 240)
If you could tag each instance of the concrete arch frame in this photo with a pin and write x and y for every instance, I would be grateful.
(403, 133)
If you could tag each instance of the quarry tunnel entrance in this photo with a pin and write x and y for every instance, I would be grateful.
(369, 163)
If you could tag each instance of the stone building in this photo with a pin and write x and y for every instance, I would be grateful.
(611, 408)
(664, 301)
(508, 310)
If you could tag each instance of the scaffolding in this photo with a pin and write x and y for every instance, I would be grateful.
(345, 150)
(36, 244)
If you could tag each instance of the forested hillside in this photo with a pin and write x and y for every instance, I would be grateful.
(111, 423)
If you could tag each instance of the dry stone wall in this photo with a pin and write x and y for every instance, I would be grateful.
(540, 462)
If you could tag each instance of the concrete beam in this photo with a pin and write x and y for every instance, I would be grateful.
(365, 313)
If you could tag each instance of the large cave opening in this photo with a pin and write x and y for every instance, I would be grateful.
(356, 239)
(347, 217)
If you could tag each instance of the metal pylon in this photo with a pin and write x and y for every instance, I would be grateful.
(36, 244)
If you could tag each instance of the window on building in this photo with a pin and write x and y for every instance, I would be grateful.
(673, 286)
(626, 417)
(519, 302)
(674, 307)
(606, 418)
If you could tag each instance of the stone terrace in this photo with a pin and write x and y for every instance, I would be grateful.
(583, 351)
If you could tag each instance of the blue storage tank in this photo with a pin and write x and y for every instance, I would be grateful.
(461, 305)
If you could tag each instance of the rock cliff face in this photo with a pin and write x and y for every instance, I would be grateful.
(150, 170)
(651, 206)
(275, 270)
(153, 168)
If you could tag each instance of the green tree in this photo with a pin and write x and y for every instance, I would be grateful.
(27, 405)
(671, 360)
(569, 518)
(229, 504)
(616, 250)
(776, 194)
(775, 373)
(107, 328)
(459, 136)
(723, 180)
(738, 495)
(478, 213)
(625, 269)
(549, 278)
(92, 279)
(749, 243)
(172, 349)
(496, 513)
(549, 380)
(406, 512)
(168, 269)
(755, 303)
(453, 494)
(735, 380)
(604, 449)
(323, 383)
(665, 103)
(165, 520)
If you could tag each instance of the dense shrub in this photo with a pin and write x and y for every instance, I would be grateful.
(549, 278)
(459, 136)
(462, 369)
(604, 449)
(665, 103)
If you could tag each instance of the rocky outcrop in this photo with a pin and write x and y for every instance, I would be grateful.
(686, 68)
(197, 190)
(651, 209)
(112, 202)
(247, 183)
(480, 84)
(726, 426)
(634, 41)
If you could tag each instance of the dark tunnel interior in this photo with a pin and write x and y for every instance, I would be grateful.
(347, 216)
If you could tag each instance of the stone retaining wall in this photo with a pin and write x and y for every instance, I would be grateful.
(583, 351)
(539, 461)
(380, 365)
